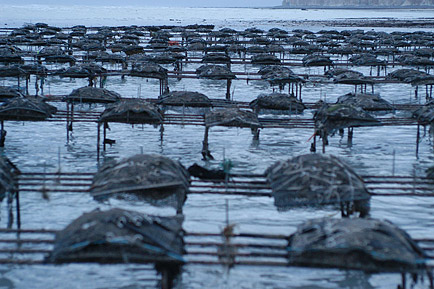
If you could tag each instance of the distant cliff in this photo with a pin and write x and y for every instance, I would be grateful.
(356, 3)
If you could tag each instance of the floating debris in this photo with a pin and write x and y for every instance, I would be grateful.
(369, 102)
(315, 179)
(154, 178)
(200, 172)
(277, 102)
(364, 244)
(132, 111)
(93, 95)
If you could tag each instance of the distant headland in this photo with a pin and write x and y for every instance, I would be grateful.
(366, 4)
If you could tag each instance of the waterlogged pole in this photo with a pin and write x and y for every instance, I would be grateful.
(417, 140)
(98, 140)
(228, 89)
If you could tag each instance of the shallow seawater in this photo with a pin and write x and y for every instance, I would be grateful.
(35, 146)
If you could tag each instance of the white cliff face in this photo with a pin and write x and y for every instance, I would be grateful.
(356, 3)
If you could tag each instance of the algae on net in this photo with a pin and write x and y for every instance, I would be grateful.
(153, 178)
(314, 179)
(364, 244)
(121, 236)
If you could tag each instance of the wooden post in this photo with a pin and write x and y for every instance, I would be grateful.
(17, 200)
(2, 134)
(313, 145)
(161, 133)
(67, 122)
(205, 151)
(228, 89)
(417, 140)
(98, 139)
(27, 84)
(104, 135)
(350, 136)
(299, 95)
(10, 209)
(72, 117)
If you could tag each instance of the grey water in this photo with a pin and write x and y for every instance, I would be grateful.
(33, 146)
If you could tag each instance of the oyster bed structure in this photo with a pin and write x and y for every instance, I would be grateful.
(364, 244)
(425, 114)
(277, 102)
(315, 179)
(218, 72)
(132, 111)
(9, 92)
(149, 70)
(154, 178)
(330, 118)
(279, 75)
(232, 117)
(368, 102)
(413, 76)
(8, 174)
(22, 108)
(185, 98)
(93, 95)
(118, 236)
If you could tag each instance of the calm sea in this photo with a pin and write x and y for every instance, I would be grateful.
(375, 150)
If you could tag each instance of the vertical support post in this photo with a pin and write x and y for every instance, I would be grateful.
(205, 151)
(228, 89)
(350, 136)
(27, 84)
(299, 95)
(161, 133)
(417, 140)
(2, 134)
(17, 200)
(323, 144)
(67, 122)
(72, 116)
(98, 140)
(10, 209)
(313, 145)
(104, 135)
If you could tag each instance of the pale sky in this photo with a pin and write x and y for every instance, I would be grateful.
(177, 3)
